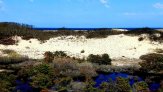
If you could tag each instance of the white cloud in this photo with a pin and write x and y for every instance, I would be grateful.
(105, 3)
(143, 13)
(158, 5)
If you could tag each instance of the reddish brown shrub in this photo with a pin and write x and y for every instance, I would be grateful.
(7, 41)
(48, 57)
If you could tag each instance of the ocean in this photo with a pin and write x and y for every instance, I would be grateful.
(87, 29)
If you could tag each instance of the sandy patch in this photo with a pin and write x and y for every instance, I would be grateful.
(116, 46)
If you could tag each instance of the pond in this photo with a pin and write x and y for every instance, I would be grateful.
(132, 79)
(25, 87)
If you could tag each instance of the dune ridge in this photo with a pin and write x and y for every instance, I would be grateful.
(116, 46)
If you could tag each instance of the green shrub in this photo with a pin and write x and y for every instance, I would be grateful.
(139, 31)
(62, 83)
(152, 62)
(7, 82)
(103, 59)
(82, 51)
(9, 29)
(41, 80)
(41, 75)
(123, 85)
(140, 86)
(101, 33)
(41, 68)
(151, 32)
(60, 54)
(90, 87)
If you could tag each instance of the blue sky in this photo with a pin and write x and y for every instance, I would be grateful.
(83, 13)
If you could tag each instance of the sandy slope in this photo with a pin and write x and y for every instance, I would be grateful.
(116, 46)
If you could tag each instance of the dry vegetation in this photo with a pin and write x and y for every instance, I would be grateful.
(58, 70)
(11, 57)
(9, 29)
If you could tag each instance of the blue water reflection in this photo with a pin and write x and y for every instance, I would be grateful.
(132, 79)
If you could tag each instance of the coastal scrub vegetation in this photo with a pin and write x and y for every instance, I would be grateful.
(152, 62)
(153, 35)
(59, 72)
(63, 74)
(11, 57)
(103, 59)
(10, 29)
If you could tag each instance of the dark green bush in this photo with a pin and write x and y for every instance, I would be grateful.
(152, 62)
(9, 29)
(41, 68)
(140, 86)
(151, 34)
(103, 59)
(60, 54)
(139, 31)
(41, 80)
(123, 85)
(82, 51)
(7, 82)
(41, 75)
(101, 33)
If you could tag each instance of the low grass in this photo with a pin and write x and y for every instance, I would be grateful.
(158, 50)
(11, 57)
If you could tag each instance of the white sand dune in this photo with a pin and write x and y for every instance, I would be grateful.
(116, 46)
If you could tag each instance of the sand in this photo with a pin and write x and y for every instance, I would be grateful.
(116, 46)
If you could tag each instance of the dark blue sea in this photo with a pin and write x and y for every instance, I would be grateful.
(87, 29)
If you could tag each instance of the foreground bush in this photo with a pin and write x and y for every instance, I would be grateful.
(62, 84)
(87, 70)
(7, 82)
(48, 57)
(66, 66)
(141, 87)
(41, 80)
(103, 59)
(41, 76)
(123, 85)
(152, 62)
